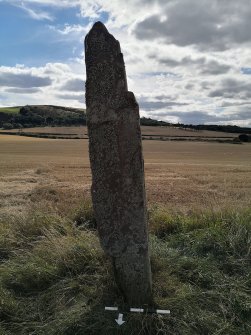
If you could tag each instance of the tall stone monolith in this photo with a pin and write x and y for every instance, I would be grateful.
(118, 187)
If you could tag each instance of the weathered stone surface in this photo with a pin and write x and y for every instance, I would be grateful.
(118, 189)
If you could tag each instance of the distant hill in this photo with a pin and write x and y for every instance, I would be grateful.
(215, 127)
(49, 115)
(41, 115)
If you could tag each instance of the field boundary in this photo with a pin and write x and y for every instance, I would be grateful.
(154, 137)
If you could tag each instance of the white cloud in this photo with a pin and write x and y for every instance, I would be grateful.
(184, 58)
(36, 14)
(42, 85)
(71, 29)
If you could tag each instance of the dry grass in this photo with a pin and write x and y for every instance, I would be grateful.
(55, 279)
(181, 175)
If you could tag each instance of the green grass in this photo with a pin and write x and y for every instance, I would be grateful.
(10, 110)
(55, 279)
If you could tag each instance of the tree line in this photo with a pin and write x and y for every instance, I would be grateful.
(49, 115)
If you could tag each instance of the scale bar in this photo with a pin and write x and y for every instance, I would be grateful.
(137, 310)
(162, 311)
(140, 310)
(111, 308)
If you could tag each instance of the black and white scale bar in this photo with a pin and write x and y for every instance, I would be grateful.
(163, 311)
(141, 310)
(157, 311)
(137, 310)
(111, 308)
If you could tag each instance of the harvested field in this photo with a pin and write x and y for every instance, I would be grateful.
(182, 175)
(55, 278)
(147, 132)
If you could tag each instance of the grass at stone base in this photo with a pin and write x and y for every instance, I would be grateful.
(55, 279)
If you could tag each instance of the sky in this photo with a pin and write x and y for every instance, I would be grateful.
(187, 61)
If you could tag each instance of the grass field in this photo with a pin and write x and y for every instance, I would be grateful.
(54, 277)
(10, 110)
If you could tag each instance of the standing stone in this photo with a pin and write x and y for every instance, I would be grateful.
(118, 188)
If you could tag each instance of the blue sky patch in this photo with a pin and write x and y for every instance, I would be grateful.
(31, 41)
(246, 70)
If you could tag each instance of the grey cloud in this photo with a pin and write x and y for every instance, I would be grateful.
(194, 117)
(210, 67)
(163, 73)
(241, 115)
(231, 104)
(22, 90)
(206, 85)
(169, 62)
(232, 88)
(213, 25)
(198, 117)
(74, 85)
(214, 68)
(146, 97)
(23, 80)
(184, 61)
(189, 86)
(163, 97)
(222, 93)
(153, 105)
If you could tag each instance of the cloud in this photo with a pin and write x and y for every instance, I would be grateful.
(56, 69)
(22, 90)
(120, 13)
(192, 117)
(199, 117)
(22, 79)
(236, 103)
(36, 14)
(68, 29)
(215, 68)
(205, 66)
(40, 85)
(155, 105)
(180, 55)
(74, 85)
(207, 25)
(183, 62)
(232, 88)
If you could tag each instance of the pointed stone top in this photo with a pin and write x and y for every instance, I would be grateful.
(98, 36)
(105, 68)
(99, 26)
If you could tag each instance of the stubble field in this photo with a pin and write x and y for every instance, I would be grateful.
(183, 176)
(55, 279)
(81, 131)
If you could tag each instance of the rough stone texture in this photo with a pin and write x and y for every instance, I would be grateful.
(118, 188)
